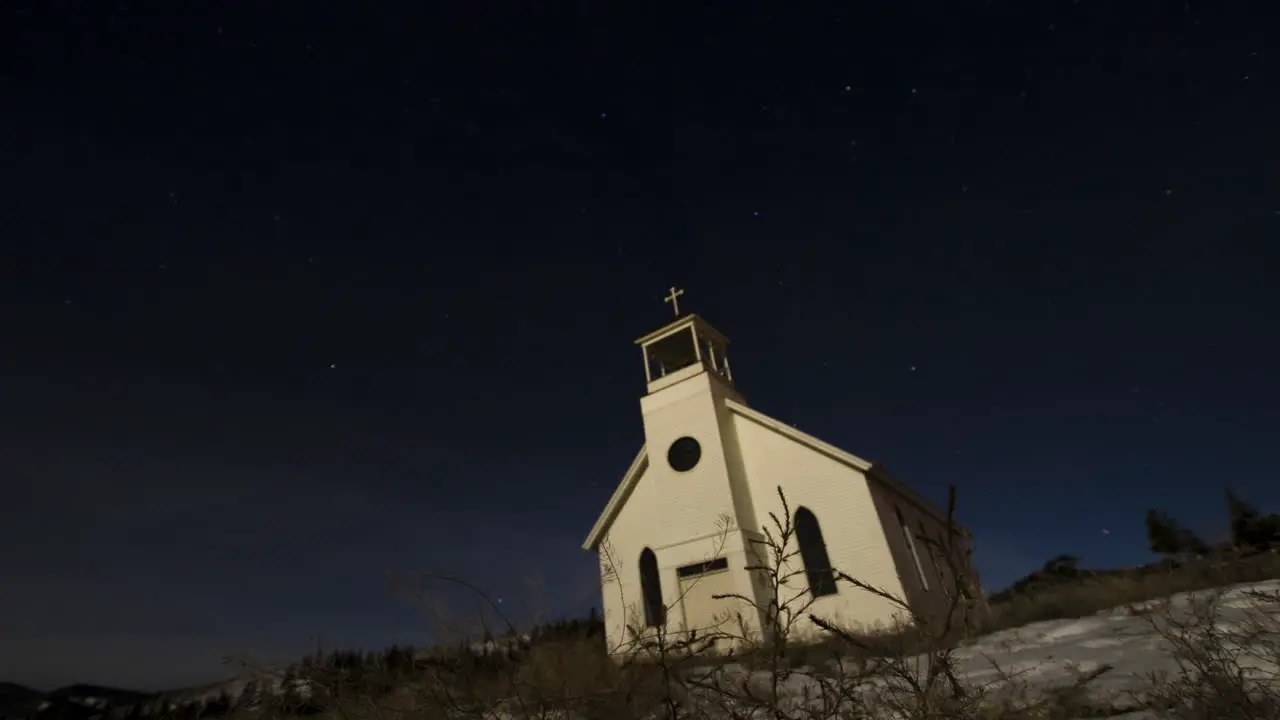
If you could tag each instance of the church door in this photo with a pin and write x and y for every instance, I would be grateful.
(703, 612)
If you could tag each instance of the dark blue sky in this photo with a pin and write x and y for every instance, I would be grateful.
(301, 297)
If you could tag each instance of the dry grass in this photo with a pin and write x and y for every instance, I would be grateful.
(908, 673)
(1102, 592)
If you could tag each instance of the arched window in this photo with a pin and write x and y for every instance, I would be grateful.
(655, 612)
(813, 551)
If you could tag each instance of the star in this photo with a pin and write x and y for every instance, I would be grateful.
(333, 366)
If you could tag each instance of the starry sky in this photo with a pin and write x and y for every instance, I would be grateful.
(296, 299)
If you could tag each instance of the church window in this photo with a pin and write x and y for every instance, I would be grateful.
(911, 547)
(702, 568)
(813, 551)
(684, 454)
(655, 612)
(935, 554)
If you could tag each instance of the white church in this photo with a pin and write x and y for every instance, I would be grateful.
(680, 526)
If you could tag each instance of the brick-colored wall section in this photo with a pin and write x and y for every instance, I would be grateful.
(932, 601)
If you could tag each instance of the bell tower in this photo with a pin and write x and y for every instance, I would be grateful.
(684, 348)
(689, 431)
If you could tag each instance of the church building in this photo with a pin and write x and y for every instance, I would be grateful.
(683, 525)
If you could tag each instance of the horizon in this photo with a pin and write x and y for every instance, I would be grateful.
(300, 304)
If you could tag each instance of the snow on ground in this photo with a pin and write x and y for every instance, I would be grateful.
(1053, 654)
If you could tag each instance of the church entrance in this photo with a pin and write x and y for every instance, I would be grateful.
(703, 612)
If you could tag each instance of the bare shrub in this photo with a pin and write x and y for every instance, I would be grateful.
(1103, 591)
(1225, 646)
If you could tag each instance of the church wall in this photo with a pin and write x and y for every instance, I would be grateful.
(621, 548)
(685, 505)
(841, 499)
(743, 501)
(619, 587)
(732, 546)
(631, 532)
(932, 600)
(921, 599)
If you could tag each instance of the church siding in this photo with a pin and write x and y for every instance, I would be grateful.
(621, 548)
(632, 531)
(841, 499)
(932, 601)
(888, 504)
(748, 518)
(687, 504)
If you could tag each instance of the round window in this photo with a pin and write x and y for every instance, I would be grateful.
(684, 454)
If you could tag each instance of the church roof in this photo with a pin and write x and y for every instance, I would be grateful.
(641, 462)
(685, 320)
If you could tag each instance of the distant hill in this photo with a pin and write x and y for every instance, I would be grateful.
(86, 702)
(10, 690)
(18, 700)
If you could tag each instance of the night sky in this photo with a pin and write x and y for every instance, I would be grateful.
(295, 297)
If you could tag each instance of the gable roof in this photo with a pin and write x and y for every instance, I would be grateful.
(870, 469)
(804, 439)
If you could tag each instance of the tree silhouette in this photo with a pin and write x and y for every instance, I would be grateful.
(1062, 566)
(1251, 529)
(1167, 537)
(1242, 514)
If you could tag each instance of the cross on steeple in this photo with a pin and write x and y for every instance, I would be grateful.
(673, 298)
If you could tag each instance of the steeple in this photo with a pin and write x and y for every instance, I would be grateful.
(683, 348)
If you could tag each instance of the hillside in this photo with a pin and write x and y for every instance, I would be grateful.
(18, 700)
(1042, 633)
(1114, 639)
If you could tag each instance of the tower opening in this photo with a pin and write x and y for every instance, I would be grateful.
(684, 346)
(674, 352)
